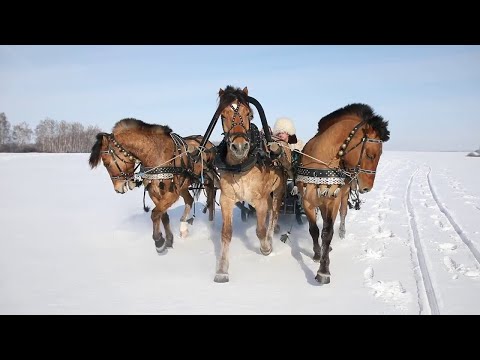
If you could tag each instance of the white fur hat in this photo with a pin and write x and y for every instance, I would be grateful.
(284, 124)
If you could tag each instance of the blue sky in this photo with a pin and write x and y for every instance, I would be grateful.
(429, 94)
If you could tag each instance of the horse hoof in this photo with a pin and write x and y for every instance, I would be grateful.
(266, 252)
(183, 234)
(341, 234)
(316, 257)
(221, 278)
(162, 250)
(323, 279)
(160, 245)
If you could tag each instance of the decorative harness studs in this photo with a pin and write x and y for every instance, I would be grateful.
(337, 176)
(111, 151)
(357, 169)
(185, 170)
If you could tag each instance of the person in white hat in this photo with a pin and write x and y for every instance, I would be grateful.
(284, 130)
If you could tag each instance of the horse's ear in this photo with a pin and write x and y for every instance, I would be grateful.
(368, 130)
(100, 135)
(245, 90)
(220, 92)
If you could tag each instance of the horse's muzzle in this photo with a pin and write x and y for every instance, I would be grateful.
(240, 150)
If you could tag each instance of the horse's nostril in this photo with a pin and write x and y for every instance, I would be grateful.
(366, 190)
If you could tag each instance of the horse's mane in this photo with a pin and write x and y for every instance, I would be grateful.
(364, 112)
(130, 123)
(231, 94)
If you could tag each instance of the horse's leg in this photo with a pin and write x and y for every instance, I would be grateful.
(278, 195)
(162, 203)
(273, 221)
(329, 212)
(226, 204)
(211, 195)
(262, 208)
(157, 232)
(312, 226)
(188, 207)
(343, 213)
(168, 199)
(168, 231)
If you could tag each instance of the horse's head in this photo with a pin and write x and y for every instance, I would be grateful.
(119, 163)
(236, 114)
(366, 142)
(372, 150)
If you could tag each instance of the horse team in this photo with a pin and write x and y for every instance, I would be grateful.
(336, 164)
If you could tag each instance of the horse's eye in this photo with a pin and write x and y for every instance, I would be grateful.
(371, 157)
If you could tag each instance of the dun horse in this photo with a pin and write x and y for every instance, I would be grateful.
(247, 173)
(167, 170)
(339, 160)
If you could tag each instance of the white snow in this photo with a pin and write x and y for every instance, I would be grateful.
(70, 245)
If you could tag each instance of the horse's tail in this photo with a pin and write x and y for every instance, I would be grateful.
(145, 208)
(95, 153)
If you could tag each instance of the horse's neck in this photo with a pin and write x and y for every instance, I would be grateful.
(148, 149)
(331, 139)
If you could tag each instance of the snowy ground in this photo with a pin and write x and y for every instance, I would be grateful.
(70, 245)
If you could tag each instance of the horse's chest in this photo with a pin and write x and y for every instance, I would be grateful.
(243, 188)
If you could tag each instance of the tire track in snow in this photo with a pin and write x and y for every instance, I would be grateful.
(423, 274)
(455, 226)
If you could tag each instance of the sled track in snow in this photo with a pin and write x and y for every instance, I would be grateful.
(455, 226)
(422, 275)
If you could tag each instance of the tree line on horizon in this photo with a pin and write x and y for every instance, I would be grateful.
(48, 136)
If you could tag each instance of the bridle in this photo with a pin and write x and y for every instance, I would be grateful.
(354, 172)
(112, 152)
(231, 136)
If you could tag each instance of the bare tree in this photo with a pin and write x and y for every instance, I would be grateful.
(89, 137)
(62, 136)
(22, 134)
(4, 129)
(46, 133)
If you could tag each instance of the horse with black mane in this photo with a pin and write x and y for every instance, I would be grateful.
(250, 169)
(351, 139)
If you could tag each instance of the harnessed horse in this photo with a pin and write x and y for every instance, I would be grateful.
(352, 138)
(167, 169)
(247, 173)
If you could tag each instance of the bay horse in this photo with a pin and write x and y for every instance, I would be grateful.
(247, 173)
(168, 169)
(351, 138)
